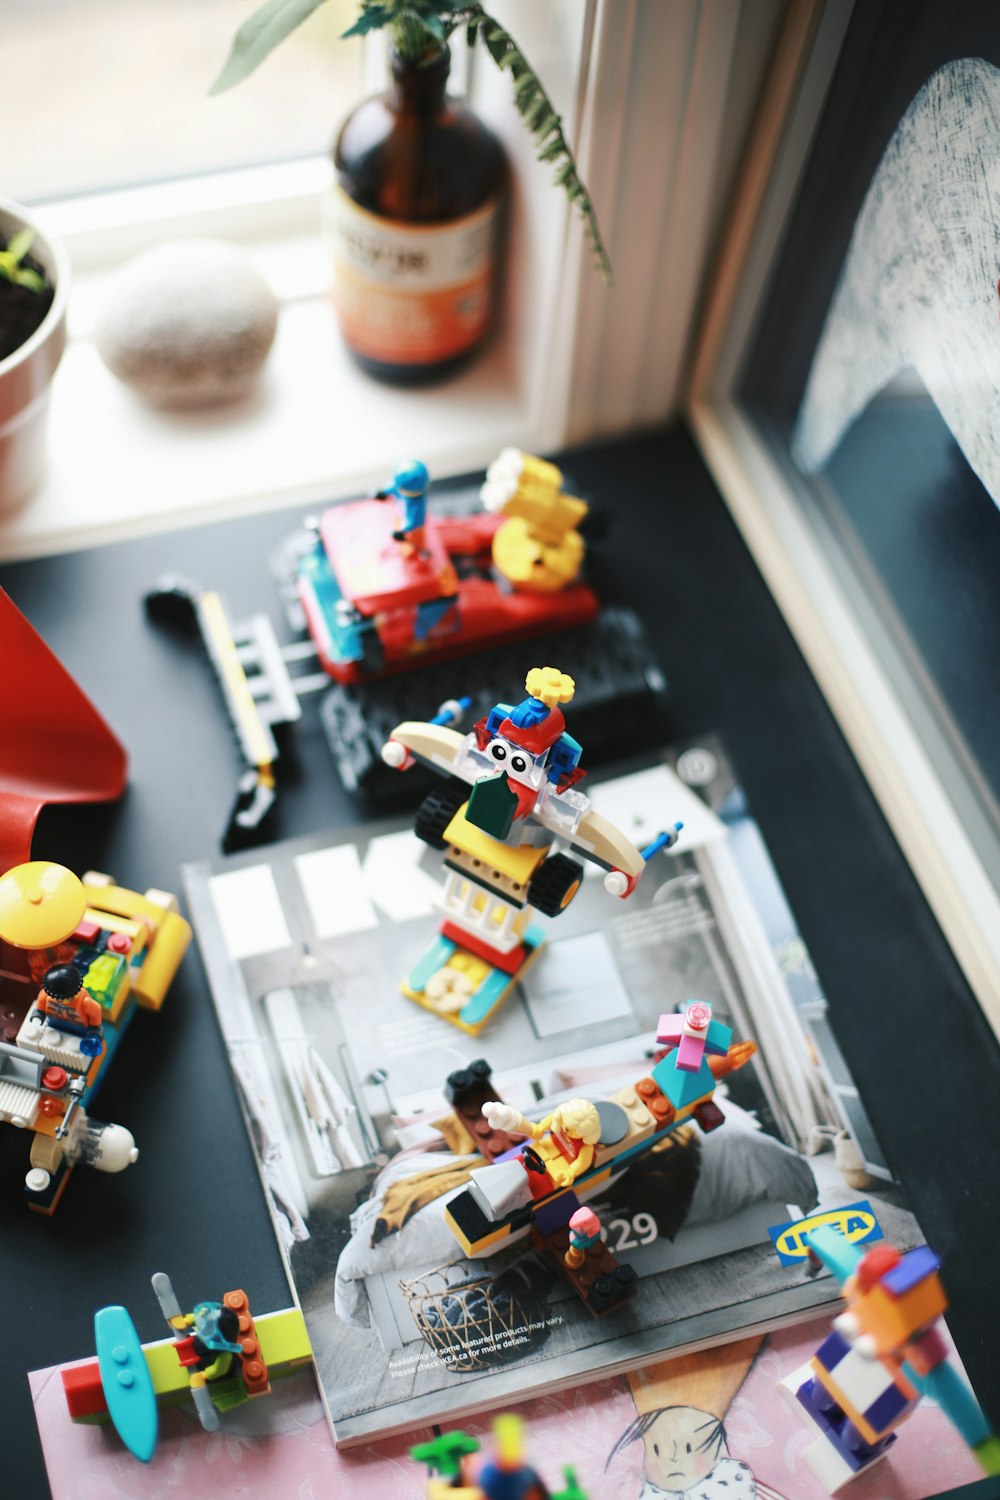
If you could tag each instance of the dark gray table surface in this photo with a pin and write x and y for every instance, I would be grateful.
(920, 1049)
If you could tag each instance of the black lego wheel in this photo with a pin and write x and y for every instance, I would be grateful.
(554, 884)
(437, 810)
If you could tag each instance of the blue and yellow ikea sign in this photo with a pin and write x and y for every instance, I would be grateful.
(856, 1222)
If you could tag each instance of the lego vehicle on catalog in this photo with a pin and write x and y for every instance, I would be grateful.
(385, 589)
(79, 957)
(509, 795)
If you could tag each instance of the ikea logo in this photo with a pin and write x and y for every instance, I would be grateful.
(856, 1222)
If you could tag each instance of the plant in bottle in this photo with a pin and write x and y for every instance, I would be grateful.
(416, 213)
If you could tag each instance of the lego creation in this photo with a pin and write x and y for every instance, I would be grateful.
(617, 681)
(380, 590)
(219, 1354)
(510, 793)
(385, 588)
(882, 1354)
(77, 958)
(452, 1475)
(539, 1172)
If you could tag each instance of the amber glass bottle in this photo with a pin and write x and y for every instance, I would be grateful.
(416, 227)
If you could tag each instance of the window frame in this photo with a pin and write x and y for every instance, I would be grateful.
(927, 794)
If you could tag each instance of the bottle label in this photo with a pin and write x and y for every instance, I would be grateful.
(411, 293)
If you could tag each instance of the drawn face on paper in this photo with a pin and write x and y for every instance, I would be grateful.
(682, 1446)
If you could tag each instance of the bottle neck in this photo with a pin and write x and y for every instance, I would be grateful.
(418, 88)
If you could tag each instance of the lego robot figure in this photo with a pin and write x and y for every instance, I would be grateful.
(511, 794)
(409, 487)
(882, 1354)
(449, 1459)
(76, 959)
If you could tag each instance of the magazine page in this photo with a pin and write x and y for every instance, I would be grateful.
(627, 1440)
(342, 1080)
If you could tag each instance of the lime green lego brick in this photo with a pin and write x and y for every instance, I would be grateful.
(283, 1339)
(103, 978)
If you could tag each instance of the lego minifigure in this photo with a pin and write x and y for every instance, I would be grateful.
(882, 1354)
(511, 793)
(409, 487)
(573, 1129)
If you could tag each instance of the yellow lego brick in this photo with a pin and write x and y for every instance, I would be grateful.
(162, 961)
(516, 864)
(115, 900)
(535, 560)
(133, 928)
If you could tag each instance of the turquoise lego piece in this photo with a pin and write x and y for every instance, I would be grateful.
(719, 1037)
(680, 1087)
(838, 1255)
(495, 986)
(128, 1385)
(434, 957)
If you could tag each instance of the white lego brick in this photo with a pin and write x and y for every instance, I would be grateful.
(18, 1105)
(861, 1379)
(59, 1047)
(500, 1188)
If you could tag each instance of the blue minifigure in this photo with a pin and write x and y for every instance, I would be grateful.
(409, 487)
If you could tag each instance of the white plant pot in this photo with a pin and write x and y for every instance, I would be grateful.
(26, 375)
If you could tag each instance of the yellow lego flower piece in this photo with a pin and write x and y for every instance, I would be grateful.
(550, 686)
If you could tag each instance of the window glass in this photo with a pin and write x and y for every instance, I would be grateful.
(876, 365)
(108, 93)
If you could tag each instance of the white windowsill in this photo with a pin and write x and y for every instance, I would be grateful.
(315, 428)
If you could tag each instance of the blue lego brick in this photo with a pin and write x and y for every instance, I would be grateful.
(680, 1087)
(431, 614)
(914, 1268)
(832, 1350)
(555, 1213)
(889, 1409)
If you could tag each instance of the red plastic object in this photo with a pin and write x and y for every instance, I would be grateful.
(55, 745)
(84, 1391)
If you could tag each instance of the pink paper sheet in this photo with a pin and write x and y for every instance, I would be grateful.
(280, 1448)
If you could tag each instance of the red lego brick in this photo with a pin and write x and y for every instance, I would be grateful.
(508, 963)
(84, 1391)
